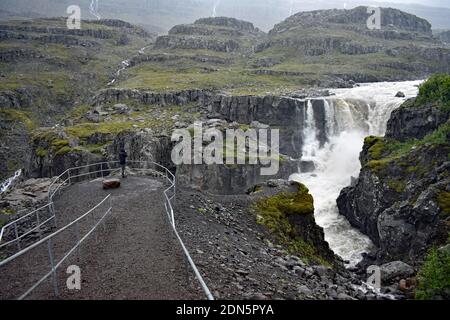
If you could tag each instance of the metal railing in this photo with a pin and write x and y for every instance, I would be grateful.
(49, 240)
(104, 169)
(37, 219)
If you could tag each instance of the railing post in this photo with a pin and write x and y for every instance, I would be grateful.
(38, 224)
(16, 231)
(52, 206)
(77, 231)
(52, 264)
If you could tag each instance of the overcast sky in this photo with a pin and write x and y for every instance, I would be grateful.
(340, 3)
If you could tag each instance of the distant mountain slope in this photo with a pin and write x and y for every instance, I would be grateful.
(326, 48)
(161, 15)
(47, 70)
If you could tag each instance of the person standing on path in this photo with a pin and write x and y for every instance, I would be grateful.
(123, 160)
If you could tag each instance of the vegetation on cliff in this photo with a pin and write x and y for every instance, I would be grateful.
(401, 196)
(434, 276)
(275, 212)
(47, 70)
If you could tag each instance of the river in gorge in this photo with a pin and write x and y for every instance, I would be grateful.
(350, 116)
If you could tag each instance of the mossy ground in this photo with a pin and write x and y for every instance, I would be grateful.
(444, 201)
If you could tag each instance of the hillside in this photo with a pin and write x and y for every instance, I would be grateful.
(47, 70)
(331, 48)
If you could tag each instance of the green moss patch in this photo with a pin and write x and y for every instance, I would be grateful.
(397, 185)
(444, 201)
(434, 276)
(19, 116)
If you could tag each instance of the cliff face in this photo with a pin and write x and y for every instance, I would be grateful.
(400, 199)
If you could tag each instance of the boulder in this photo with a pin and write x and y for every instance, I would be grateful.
(400, 95)
(121, 108)
(395, 270)
(111, 184)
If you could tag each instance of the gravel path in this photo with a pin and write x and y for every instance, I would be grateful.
(135, 256)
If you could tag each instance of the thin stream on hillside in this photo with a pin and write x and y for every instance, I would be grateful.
(350, 116)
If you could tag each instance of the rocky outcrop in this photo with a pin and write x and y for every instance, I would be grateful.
(217, 34)
(193, 42)
(398, 198)
(229, 23)
(278, 202)
(391, 19)
(413, 120)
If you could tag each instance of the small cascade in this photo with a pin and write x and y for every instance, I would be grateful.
(350, 115)
(7, 183)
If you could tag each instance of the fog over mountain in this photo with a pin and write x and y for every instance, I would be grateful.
(161, 15)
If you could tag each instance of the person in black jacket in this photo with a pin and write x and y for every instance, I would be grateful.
(123, 160)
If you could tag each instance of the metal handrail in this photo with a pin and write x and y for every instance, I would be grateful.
(14, 223)
(34, 245)
(48, 240)
(170, 177)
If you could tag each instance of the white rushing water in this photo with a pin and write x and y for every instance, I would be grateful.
(350, 115)
(7, 183)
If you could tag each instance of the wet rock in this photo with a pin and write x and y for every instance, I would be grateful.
(400, 95)
(307, 166)
(395, 270)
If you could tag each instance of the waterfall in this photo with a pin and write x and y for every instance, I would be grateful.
(7, 183)
(310, 140)
(93, 9)
(350, 116)
(216, 3)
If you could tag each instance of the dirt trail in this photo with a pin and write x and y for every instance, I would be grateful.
(134, 257)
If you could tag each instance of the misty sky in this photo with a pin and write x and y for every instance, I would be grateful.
(352, 3)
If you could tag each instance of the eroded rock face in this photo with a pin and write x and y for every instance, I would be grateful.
(229, 180)
(150, 98)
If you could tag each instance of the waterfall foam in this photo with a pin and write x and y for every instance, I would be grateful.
(350, 116)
